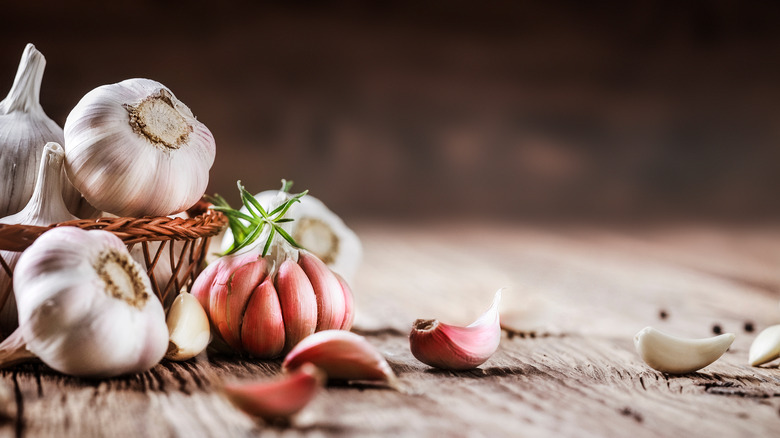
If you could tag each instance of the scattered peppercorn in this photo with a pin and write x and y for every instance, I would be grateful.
(717, 329)
(662, 314)
(749, 327)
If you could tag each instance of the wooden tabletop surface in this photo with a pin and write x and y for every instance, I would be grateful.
(566, 366)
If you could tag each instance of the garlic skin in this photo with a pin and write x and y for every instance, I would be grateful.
(266, 305)
(342, 355)
(188, 328)
(45, 207)
(316, 228)
(24, 130)
(451, 347)
(674, 355)
(765, 347)
(86, 308)
(133, 149)
(277, 399)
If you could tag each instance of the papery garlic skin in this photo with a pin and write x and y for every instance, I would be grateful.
(316, 228)
(280, 398)
(675, 355)
(266, 305)
(45, 207)
(133, 149)
(24, 130)
(457, 348)
(86, 308)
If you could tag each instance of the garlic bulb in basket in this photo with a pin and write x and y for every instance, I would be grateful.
(86, 308)
(316, 228)
(133, 149)
(24, 130)
(46, 207)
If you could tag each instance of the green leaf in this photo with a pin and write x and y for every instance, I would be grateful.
(286, 236)
(268, 242)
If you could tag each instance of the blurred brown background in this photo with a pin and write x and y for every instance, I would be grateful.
(538, 111)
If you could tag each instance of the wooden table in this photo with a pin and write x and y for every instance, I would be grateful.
(566, 367)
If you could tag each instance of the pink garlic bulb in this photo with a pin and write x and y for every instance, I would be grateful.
(264, 306)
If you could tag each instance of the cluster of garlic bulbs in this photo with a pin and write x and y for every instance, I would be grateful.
(80, 301)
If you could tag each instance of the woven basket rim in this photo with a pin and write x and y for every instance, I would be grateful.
(208, 223)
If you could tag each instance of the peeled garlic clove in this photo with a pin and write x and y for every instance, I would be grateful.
(188, 328)
(457, 348)
(277, 399)
(674, 355)
(342, 355)
(86, 308)
(327, 289)
(298, 303)
(262, 333)
(133, 149)
(766, 347)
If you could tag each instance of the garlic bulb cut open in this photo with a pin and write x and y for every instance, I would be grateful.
(24, 130)
(316, 228)
(45, 207)
(133, 149)
(86, 308)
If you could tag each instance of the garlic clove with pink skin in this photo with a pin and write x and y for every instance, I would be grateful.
(280, 398)
(262, 333)
(298, 302)
(349, 304)
(331, 306)
(342, 355)
(457, 348)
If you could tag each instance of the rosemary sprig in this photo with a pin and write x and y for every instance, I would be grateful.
(248, 227)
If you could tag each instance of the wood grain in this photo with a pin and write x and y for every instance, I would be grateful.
(569, 370)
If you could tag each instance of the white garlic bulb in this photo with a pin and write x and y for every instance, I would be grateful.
(86, 308)
(46, 207)
(316, 228)
(24, 130)
(133, 149)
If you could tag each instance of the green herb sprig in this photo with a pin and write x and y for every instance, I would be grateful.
(247, 228)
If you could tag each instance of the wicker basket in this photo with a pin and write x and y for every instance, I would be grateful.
(153, 234)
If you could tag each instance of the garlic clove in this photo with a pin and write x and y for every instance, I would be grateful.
(327, 289)
(262, 333)
(674, 355)
(217, 273)
(298, 303)
(188, 328)
(765, 347)
(349, 304)
(239, 290)
(457, 348)
(342, 355)
(277, 399)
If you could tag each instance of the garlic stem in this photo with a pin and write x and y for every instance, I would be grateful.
(26, 90)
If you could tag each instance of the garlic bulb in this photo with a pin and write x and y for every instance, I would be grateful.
(24, 130)
(86, 308)
(318, 229)
(46, 207)
(133, 149)
(266, 305)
